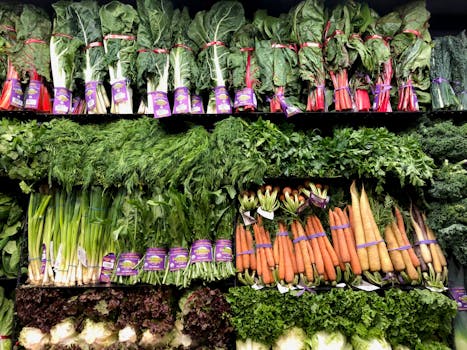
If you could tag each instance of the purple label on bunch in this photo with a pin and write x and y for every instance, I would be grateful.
(16, 98)
(160, 104)
(43, 258)
(119, 91)
(223, 250)
(90, 94)
(155, 259)
(223, 105)
(245, 98)
(108, 263)
(201, 251)
(62, 101)
(318, 201)
(33, 94)
(460, 297)
(182, 101)
(287, 109)
(127, 263)
(178, 258)
(197, 105)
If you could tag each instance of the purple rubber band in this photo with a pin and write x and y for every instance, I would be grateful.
(316, 235)
(440, 80)
(283, 234)
(299, 239)
(365, 245)
(305, 289)
(246, 252)
(264, 245)
(405, 247)
(338, 227)
(426, 241)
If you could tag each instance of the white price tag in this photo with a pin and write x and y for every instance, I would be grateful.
(367, 286)
(247, 218)
(257, 286)
(265, 214)
(340, 285)
(82, 257)
(282, 289)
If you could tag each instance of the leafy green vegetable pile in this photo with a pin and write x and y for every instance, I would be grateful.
(135, 153)
(408, 318)
(447, 194)
(11, 216)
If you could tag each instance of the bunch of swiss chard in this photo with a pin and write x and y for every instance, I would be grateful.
(119, 23)
(336, 55)
(12, 92)
(359, 56)
(278, 61)
(64, 55)
(154, 42)
(31, 56)
(94, 69)
(10, 224)
(212, 31)
(243, 64)
(381, 63)
(183, 65)
(307, 31)
(411, 52)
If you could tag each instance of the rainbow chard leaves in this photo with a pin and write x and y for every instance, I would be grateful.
(212, 31)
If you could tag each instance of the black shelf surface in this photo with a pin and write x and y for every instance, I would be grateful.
(394, 121)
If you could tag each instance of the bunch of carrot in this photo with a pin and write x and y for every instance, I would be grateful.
(371, 248)
(401, 252)
(343, 240)
(432, 260)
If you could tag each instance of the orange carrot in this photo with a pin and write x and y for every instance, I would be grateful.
(319, 261)
(409, 267)
(329, 263)
(357, 227)
(305, 252)
(329, 247)
(344, 250)
(266, 238)
(244, 243)
(281, 265)
(290, 263)
(354, 261)
(401, 227)
(249, 240)
(275, 250)
(298, 251)
(238, 244)
(335, 240)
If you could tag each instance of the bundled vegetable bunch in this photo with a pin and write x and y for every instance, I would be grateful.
(12, 92)
(31, 56)
(11, 216)
(154, 40)
(278, 62)
(370, 320)
(7, 309)
(212, 31)
(64, 59)
(411, 48)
